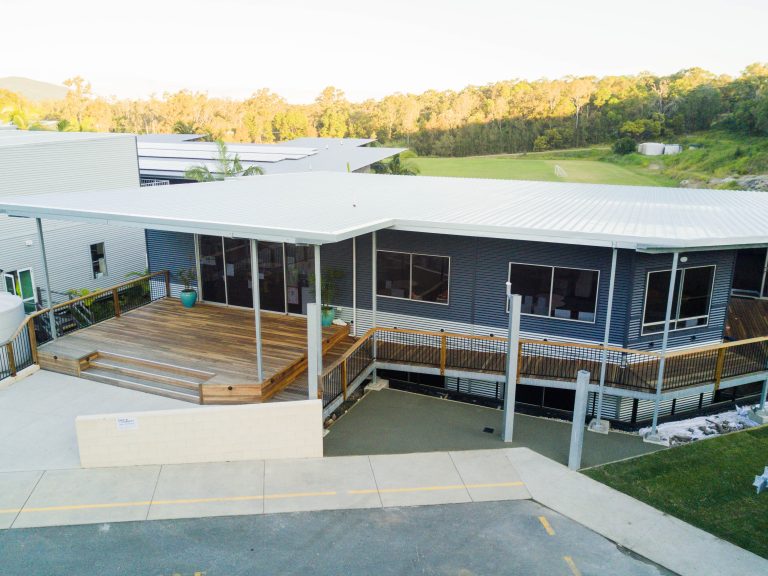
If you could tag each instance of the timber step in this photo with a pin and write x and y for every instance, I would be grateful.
(144, 375)
(133, 383)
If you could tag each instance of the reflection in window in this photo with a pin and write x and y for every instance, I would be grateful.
(556, 292)
(413, 276)
(98, 260)
(690, 299)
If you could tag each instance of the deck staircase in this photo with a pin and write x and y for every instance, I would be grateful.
(145, 375)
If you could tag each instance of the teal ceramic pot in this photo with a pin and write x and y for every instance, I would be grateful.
(188, 298)
(328, 314)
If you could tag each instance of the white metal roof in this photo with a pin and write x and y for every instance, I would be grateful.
(325, 207)
(26, 137)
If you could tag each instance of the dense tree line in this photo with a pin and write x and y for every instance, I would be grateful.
(503, 117)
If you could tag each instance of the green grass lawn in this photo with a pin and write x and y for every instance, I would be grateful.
(533, 168)
(707, 484)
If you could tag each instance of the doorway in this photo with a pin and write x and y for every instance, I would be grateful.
(285, 273)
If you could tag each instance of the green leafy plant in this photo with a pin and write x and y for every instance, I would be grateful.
(328, 286)
(227, 167)
(624, 146)
(187, 276)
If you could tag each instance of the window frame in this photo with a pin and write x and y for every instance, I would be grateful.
(90, 255)
(552, 267)
(410, 277)
(675, 318)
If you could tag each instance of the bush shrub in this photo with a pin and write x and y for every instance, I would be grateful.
(624, 146)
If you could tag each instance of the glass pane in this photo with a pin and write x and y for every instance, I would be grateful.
(26, 285)
(299, 267)
(533, 284)
(98, 260)
(429, 280)
(238, 270)
(212, 269)
(656, 297)
(10, 284)
(697, 286)
(271, 278)
(574, 294)
(393, 274)
(748, 272)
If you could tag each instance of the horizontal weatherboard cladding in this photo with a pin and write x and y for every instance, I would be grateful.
(172, 251)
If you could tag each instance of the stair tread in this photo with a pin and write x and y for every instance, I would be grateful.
(153, 366)
(110, 376)
(141, 373)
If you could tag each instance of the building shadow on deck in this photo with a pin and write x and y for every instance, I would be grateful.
(397, 422)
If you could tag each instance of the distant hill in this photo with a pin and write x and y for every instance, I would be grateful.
(33, 90)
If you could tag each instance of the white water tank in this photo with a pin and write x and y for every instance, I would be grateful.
(11, 315)
(651, 148)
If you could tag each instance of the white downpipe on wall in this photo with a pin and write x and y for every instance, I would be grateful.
(256, 306)
(597, 424)
(660, 377)
(49, 294)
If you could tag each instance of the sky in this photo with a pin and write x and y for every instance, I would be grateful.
(231, 48)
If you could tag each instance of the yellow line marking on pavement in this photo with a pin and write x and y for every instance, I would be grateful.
(87, 506)
(434, 488)
(547, 526)
(572, 565)
(299, 495)
(278, 496)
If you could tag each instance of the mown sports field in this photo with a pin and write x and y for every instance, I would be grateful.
(532, 168)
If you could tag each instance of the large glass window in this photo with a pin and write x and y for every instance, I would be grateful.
(566, 293)
(691, 297)
(413, 276)
(749, 272)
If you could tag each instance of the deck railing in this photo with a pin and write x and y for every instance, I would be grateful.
(20, 350)
(543, 360)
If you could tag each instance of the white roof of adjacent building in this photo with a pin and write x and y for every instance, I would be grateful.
(330, 207)
(172, 158)
(25, 137)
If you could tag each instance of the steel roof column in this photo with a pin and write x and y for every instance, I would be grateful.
(597, 425)
(654, 437)
(319, 303)
(515, 302)
(255, 282)
(374, 374)
(49, 294)
(354, 286)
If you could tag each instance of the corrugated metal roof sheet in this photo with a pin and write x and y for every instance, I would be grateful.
(25, 137)
(328, 207)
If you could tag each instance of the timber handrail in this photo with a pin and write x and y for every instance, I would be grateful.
(714, 347)
(360, 341)
(103, 291)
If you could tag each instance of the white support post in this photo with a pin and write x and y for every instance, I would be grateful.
(513, 345)
(579, 413)
(760, 414)
(354, 287)
(48, 293)
(313, 370)
(374, 374)
(255, 282)
(765, 270)
(318, 320)
(597, 424)
(654, 437)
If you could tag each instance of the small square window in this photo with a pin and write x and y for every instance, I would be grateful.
(98, 260)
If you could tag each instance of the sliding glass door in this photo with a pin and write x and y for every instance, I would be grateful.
(285, 273)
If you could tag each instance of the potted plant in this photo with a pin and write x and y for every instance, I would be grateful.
(188, 295)
(328, 294)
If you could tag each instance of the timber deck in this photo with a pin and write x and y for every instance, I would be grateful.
(207, 338)
(747, 318)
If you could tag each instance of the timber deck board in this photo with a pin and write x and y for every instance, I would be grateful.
(207, 337)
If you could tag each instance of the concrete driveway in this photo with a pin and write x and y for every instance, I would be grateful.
(37, 417)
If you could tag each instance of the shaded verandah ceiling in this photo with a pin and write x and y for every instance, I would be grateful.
(324, 207)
